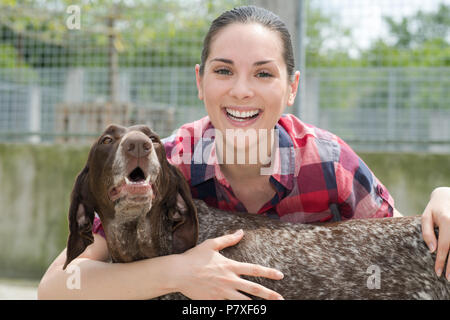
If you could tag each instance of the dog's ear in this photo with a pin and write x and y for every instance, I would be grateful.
(183, 214)
(81, 217)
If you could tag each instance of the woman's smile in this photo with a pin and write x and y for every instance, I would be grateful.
(241, 116)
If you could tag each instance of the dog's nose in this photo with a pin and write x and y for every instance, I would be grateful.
(137, 145)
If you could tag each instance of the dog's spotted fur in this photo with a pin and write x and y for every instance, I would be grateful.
(333, 261)
(336, 261)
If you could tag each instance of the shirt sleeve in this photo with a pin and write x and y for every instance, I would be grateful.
(360, 194)
(98, 228)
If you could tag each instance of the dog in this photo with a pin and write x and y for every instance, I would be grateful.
(147, 210)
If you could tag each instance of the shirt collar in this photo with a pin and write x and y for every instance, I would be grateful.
(205, 165)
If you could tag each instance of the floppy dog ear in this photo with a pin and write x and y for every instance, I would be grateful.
(81, 217)
(183, 215)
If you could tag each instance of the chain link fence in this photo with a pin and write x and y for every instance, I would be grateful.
(376, 73)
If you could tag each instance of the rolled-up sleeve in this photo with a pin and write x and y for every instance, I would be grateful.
(97, 227)
(360, 194)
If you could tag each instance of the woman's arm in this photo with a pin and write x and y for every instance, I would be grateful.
(199, 273)
(437, 213)
(100, 279)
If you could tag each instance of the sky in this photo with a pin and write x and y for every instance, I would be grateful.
(364, 17)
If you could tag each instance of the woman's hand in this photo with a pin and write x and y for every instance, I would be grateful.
(206, 274)
(437, 213)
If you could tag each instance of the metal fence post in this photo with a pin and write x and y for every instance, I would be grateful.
(301, 56)
(35, 114)
(391, 104)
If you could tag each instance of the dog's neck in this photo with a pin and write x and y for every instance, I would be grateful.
(138, 237)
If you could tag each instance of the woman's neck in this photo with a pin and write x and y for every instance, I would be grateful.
(244, 163)
(241, 171)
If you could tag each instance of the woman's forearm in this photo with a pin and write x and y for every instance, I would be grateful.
(143, 279)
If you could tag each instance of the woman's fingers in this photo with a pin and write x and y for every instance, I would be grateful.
(448, 270)
(442, 252)
(227, 284)
(236, 295)
(256, 270)
(437, 213)
(227, 240)
(428, 230)
(253, 288)
(248, 269)
(257, 290)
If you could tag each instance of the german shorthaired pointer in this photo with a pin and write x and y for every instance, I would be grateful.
(146, 210)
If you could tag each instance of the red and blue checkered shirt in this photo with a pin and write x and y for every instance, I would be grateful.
(316, 175)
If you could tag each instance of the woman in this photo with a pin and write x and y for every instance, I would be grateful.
(246, 80)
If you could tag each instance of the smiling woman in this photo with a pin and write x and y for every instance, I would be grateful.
(246, 80)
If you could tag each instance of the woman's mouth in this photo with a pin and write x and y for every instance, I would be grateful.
(242, 116)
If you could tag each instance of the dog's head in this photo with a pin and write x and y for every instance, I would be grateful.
(127, 177)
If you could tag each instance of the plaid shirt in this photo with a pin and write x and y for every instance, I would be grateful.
(316, 175)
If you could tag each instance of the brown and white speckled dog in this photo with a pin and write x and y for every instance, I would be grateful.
(146, 210)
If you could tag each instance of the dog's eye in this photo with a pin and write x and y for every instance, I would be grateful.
(106, 140)
(154, 139)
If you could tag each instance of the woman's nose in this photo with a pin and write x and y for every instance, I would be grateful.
(242, 88)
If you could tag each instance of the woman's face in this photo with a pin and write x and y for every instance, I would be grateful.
(245, 83)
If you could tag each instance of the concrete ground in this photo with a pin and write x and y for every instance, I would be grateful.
(13, 289)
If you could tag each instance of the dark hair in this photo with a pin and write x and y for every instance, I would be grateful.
(251, 14)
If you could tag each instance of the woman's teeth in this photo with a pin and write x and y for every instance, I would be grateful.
(241, 116)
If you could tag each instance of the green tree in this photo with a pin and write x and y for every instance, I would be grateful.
(327, 42)
(417, 48)
(421, 40)
(145, 32)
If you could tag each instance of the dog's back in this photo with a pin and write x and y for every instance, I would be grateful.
(358, 259)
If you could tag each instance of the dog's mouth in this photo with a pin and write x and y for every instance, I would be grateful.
(136, 187)
(137, 176)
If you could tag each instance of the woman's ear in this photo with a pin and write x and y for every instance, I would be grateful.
(198, 79)
(293, 88)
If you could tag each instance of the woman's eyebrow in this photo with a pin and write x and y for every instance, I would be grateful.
(228, 61)
(260, 63)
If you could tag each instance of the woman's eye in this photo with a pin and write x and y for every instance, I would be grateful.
(263, 74)
(107, 140)
(223, 71)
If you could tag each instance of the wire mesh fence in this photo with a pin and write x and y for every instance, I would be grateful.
(383, 109)
(377, 73)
